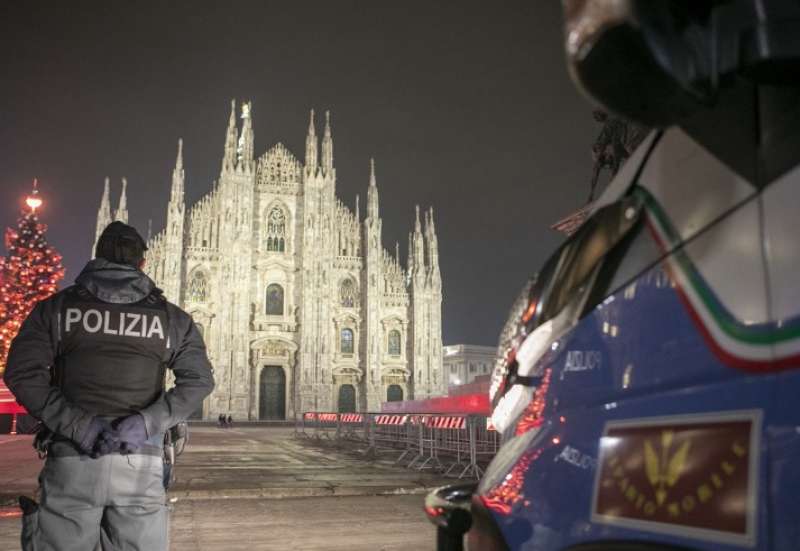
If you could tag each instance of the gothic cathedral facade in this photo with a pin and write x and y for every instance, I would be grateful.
(301, 307)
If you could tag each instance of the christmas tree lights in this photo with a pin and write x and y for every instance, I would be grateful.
(29, 272)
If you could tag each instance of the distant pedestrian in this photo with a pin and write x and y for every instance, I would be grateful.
(230, 422)
(221, 421)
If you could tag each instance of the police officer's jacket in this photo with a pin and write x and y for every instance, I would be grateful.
(101, 347)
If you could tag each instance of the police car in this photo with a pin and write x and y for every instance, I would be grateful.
(648, 398)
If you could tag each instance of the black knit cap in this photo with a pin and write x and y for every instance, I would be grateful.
(121, 244)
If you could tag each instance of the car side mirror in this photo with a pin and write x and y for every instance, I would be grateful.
(448, 508)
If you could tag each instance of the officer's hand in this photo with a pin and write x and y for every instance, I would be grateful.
(92, 432)
(132, 433)
(108, 442)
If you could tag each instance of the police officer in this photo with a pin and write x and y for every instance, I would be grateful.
(89, 362)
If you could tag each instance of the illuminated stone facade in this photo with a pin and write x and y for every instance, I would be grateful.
(300, 305)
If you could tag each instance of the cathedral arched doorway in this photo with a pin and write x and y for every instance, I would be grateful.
(347, 399)
(394, 393)
(272, 395)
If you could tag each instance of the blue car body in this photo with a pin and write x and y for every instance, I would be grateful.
(663, 411)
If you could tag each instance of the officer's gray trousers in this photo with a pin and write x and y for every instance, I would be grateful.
(117, 501)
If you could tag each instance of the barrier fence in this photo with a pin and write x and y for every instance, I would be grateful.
(454, 445)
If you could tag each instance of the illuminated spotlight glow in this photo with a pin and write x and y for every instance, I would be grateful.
(33, 202)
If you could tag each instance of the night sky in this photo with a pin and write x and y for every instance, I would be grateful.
(465, 106)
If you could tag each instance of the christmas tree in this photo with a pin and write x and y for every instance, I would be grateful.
(28, 273)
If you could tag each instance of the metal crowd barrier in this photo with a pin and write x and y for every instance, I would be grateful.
(454, 445)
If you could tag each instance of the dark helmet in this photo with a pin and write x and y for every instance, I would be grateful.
(121, 244)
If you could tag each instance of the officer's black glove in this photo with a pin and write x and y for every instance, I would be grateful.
(89, 437)
(108, 442)
(132, 433)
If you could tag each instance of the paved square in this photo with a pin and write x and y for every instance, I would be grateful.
(256, 487)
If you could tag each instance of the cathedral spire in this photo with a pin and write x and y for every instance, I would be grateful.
(178, 176)
(105, 200)
(419, 246)
(311, 146)
(432, 249)
(122, 210)
(103, 215)
(179, 157)
(229, 158)
(327, 145)
(246, 139)
(410, 259)
(372, 193)
(358, 210)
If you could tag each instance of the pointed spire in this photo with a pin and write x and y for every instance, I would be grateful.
(373, 212)
(410, 258)
(149, 229)
(178, 176)
(327, 146)
(122, 211)
(419, 246)
(432, 249)
(247, 138)
(103, 214)
(231, 137)
(358, 210)
(397, 251)
(311, 145)
(105, 201)
(312, 131)
(179, 159)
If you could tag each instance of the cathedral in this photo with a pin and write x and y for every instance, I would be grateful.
(301, 306)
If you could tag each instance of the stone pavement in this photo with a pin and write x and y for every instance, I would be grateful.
(262, 488)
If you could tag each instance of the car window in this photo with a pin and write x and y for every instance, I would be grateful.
(579, 256)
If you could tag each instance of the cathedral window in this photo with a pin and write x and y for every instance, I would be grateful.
(347, 341)
(347, 293)
(274, 300)
(276, 230)
(198, 287)
(394, 342)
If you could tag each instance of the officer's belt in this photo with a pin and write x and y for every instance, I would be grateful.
(64, 447)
